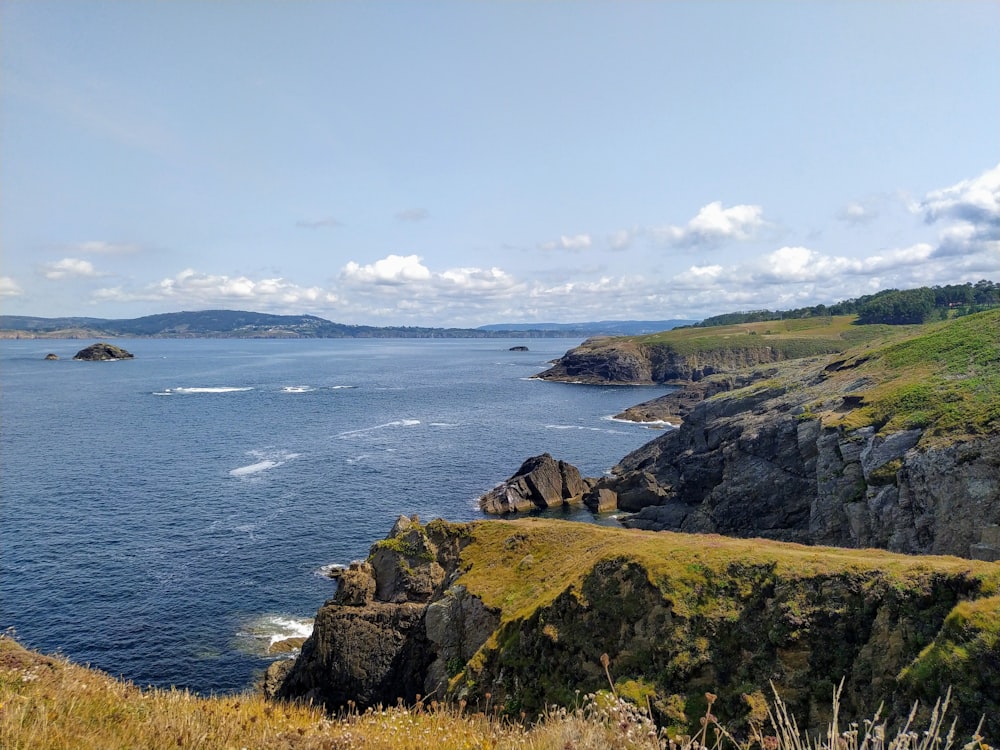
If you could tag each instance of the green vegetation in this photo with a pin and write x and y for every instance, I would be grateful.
(945, 380)
(48, 702)
(682, 613)
(891, 306)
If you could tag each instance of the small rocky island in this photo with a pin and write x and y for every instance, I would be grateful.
(102, 352)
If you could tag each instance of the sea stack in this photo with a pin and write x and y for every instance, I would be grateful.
(102, 352)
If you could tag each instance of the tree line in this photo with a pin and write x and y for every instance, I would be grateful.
(889, 306)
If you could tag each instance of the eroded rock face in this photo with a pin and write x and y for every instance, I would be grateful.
(379, 639)
(102, 352)
(624, 361)
(754, 465)
(541, 482)
(677, 614)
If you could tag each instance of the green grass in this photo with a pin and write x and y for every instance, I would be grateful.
(945, 379)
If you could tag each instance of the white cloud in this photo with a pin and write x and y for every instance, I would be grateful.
(623, 238)
(190, 288)
(976, 200)
(391, 270)
(9, 287)
(574, 243)
(970, 212)
(857, 213)
(69, 268)
(713, 226)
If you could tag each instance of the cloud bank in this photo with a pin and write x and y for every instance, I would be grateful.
(957, 239)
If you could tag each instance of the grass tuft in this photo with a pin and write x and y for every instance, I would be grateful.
(48, 702)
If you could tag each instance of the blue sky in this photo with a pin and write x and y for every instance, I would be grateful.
(462, 163)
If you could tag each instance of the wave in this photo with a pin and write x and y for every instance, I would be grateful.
(218, 389)
(264, 634)
(394, 423)
(297, 389)
(340, 387)
(652, 423)
(443, 424)
(268, 460)
(582, 427)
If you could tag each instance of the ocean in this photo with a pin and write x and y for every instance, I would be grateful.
(166, 518)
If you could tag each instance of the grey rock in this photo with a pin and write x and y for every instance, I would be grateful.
(541, 482)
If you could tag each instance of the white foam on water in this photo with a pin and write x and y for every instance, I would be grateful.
(394, 423)
(297, 389)
(219, 389)
(443, 424)
(268, 460)
(582, 427)
(357, 459)
(261, 633)
(341, 387)
(323, 571)
(244, 471)
(650, 423)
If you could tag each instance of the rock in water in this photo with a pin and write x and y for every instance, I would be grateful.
(102, 352)
(541, 482)
(518, 349)
(51, 356)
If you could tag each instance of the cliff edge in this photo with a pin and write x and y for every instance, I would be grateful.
(894, 446)
(517, 614)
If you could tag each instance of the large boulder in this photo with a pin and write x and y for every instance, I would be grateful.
(102, 352)
(541, 482)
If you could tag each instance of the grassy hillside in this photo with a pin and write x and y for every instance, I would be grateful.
(793, 338)
(943, 377)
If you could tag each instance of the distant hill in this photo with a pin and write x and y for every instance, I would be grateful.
(243, 324)
(595, 328)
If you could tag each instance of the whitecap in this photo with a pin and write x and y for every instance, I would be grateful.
(297, 389)
(443, 424)
(647, 423)
(268, 460)
(218, 389)
(341, 387)
(394, 423)
(261, 634)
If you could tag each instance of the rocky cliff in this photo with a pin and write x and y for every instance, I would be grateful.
(517, 615)
(687, 355)
(895, 447)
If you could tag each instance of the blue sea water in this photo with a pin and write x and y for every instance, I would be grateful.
(165, 518)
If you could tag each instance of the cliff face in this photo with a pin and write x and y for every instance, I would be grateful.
(754, 463)
(627, 361)
(517, 615)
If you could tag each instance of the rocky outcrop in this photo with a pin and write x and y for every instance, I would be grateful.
(51, 355)
(102, 352)
(541, 482)
(522, 612)
(628, 361)
(754, 462)
(379, 639)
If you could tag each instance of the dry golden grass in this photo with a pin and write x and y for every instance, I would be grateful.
(560, 554)
(49, 703)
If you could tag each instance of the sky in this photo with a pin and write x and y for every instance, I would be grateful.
(462, 163)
